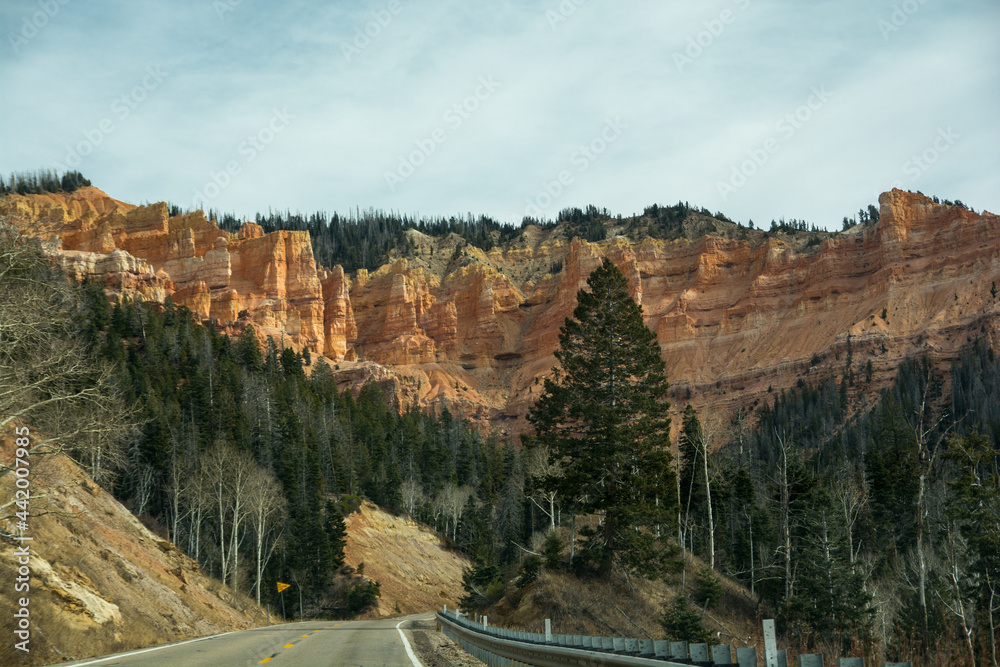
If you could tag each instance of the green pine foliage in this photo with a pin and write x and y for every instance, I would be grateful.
(868, 491)
(365, 239)
(483, 584)
(552, 550)
(201, 392)
(682, 623)
(530, 568)
(41, 181)
(707, 587)
(362, 595)
(604, 420)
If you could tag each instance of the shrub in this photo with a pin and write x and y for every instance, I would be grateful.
(553, 551)
(683, 624)
(362, 595)
(708, 587)
(483, 585)
(529, 571)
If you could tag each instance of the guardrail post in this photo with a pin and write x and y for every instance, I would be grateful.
(746, 657)
(679, 650)
(811, 660)
(486, 622)
(646, 647)
(661, 649)
(722, 654)
(548, 629)
(770, 644)
(698, 652)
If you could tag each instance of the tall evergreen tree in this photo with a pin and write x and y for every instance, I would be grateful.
(604, 418)
(336, 530)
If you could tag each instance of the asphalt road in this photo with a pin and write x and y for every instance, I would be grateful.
(308, 644)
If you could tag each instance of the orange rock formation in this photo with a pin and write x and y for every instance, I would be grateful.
(733, 316)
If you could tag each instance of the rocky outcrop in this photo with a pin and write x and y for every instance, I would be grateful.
(735, 313)
(143, 251)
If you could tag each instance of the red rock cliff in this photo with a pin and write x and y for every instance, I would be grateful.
(733, 316)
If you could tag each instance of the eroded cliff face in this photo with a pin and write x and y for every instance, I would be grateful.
(270, 280)
(734, 316)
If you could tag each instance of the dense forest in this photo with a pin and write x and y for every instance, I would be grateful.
(41, 181)
(877, 527)
(215, 409)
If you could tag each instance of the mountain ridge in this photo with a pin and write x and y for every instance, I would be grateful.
(444, 323)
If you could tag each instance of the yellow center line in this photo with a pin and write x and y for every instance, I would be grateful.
(264, 660)
(305, 635)
(288, 646)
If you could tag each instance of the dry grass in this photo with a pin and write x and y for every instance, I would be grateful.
(100, 581)
(620, 606)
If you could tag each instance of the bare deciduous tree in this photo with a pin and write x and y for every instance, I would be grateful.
(412, 494)
(265, 507)
(48, 377)
(540, 467)
(452, 500)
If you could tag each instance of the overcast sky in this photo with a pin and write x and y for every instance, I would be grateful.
(756, 108)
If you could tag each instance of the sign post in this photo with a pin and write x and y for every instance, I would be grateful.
(281, 594)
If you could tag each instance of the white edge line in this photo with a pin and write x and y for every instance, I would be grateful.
(406, 645)
(155, 648)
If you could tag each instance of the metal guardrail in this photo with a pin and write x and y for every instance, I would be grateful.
(501, 647)
(504, 647)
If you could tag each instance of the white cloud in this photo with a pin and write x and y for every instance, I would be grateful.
(687, 126)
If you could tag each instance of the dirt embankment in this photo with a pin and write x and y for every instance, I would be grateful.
(99, 581)
(416, 570)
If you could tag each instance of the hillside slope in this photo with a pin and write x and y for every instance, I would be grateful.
(101, 582)
(414, 567)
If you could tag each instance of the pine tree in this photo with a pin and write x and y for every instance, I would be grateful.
(336, 530)
(604, 418)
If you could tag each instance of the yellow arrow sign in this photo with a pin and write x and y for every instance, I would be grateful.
(282, 586)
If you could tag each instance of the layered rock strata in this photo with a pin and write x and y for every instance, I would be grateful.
(735, 314)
